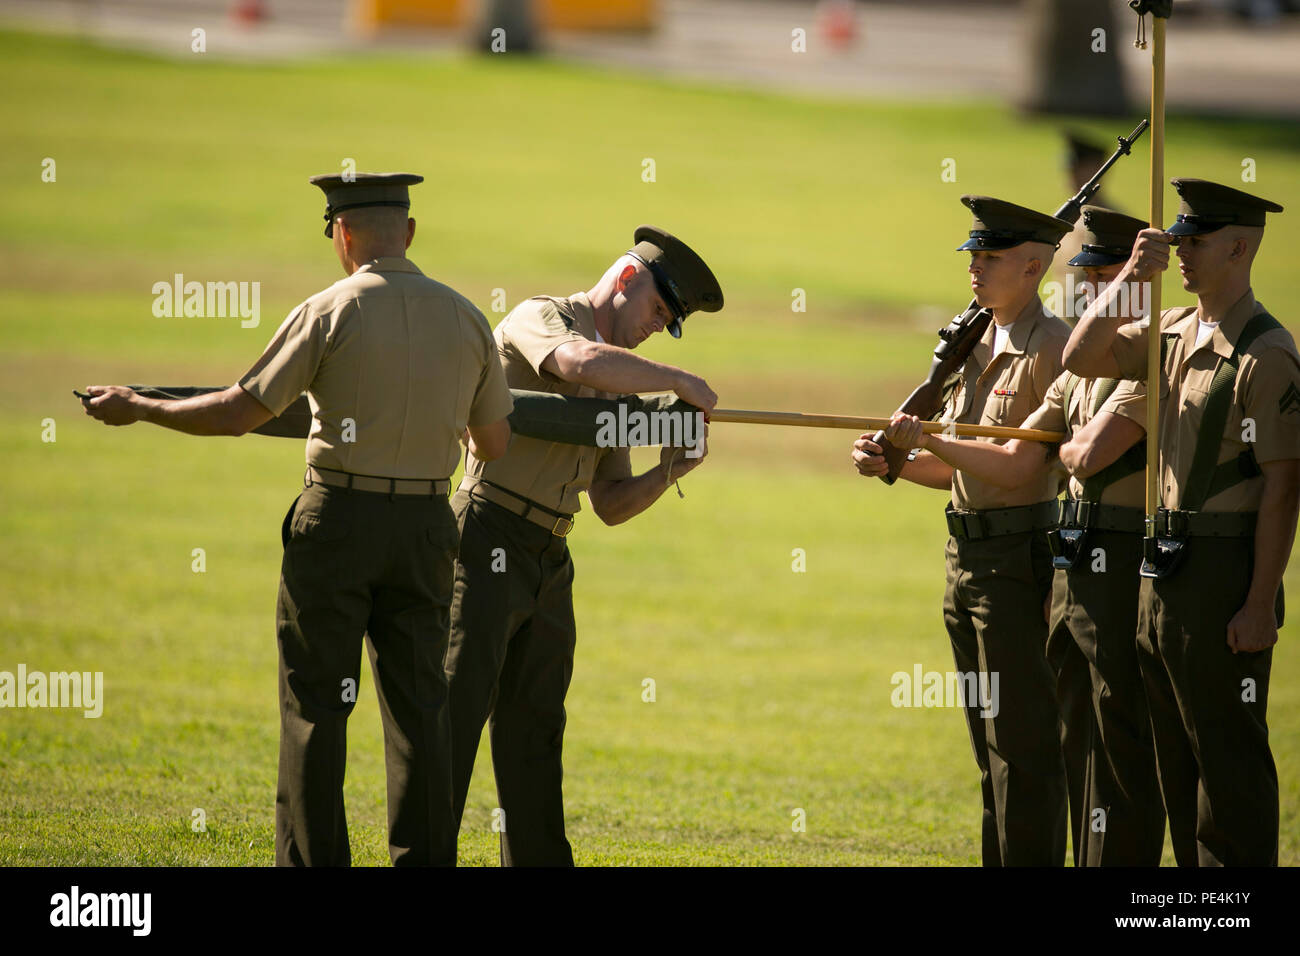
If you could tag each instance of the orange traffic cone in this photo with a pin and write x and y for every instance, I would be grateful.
(838, 20)
(248, 12)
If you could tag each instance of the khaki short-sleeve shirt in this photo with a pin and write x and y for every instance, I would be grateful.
(550, 473)
(1265, 411)
(1003, 390)
(394, 364)
(1127, 400)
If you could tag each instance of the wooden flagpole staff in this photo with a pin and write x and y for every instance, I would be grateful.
(1160, 11)
(751, 417)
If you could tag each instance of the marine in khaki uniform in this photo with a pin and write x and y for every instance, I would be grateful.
(999, 566)
(395, 366)
(513, 635)
(1117, 818)
(1229, 483)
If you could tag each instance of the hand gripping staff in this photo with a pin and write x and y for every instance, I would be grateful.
(958, 338)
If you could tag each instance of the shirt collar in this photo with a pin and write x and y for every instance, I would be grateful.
(390, 264)
(1224, 338)
(1020, 328)
(584, 314)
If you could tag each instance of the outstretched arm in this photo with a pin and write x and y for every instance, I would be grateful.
(231, 411)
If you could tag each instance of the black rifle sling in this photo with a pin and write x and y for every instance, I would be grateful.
(1067, 393)
(1105, 389)
(1207, 477)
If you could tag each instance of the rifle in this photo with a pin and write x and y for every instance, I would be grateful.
(958, 337)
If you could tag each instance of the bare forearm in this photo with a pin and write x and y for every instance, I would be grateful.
(627, 498)
(216, 413)
(1074, 458)
(929, 471)
(488, 442)
(1006, 466)
(1274, 535)
(1100, 443)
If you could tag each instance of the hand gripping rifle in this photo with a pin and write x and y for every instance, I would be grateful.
(959, 336)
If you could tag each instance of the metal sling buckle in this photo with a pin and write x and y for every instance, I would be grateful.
(1068, 544)
(1162, 548)
(556, 529)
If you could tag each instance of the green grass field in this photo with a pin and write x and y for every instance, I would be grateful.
(773, 687)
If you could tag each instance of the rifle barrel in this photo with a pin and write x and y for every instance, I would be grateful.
(1086, 192)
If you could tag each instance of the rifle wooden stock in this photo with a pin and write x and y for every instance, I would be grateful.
(753, 417)
(956, 340)
(924, 402)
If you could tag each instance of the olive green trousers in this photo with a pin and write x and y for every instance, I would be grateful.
(357, 564)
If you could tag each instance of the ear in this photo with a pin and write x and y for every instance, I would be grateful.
(410, 232)
(624, 277)
(1239, 249)
(1033, 267)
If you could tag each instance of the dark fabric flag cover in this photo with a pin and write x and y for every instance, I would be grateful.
(542, 415)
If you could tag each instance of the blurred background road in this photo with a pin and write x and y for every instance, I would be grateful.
(1225, 57)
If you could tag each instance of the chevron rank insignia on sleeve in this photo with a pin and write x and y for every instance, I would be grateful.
(1289, 403)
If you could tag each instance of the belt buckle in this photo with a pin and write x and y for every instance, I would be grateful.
(1167, 523)
(964, 525)
(555, 530)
